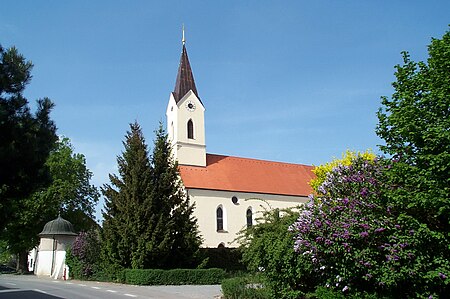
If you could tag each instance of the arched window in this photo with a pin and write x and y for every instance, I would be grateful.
(249, 216)
(190, 129)
(221, 245)
(219, 218)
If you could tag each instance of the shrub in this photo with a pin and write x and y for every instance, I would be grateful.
(83, 256)
(248, 287)
(228, 259)
(357, 242)
(321, 171)
(268, 249)
(174, 276)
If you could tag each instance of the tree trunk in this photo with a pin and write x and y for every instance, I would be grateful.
(22, 262)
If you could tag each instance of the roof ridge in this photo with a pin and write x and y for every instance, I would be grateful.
(259, 160)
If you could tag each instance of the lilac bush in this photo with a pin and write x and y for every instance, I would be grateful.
(357, 242)
(83, 255)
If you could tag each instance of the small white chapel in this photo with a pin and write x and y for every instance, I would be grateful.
(229, 192)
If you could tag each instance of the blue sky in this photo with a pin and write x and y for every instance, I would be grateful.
(292, 81)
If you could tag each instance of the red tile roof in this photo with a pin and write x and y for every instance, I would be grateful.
(227, 173)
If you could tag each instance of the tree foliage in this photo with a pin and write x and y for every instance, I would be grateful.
(75, 197)
(180, 224)
(415, 125)
(267, 248)
(70, 193)
(127, 203)
(27, 138)
(148, 220)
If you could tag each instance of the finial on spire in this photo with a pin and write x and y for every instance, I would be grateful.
(183, 40)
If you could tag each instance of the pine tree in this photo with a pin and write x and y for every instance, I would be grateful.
(182, 235)
(148, 222)
(127, 204)
(26, 140)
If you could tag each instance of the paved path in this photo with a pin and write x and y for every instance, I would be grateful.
(30, 286)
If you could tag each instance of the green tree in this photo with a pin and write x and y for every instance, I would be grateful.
(70, 193)
(27, 139)
(128, 205)
(415, 125)
(25, 145)
(76, 198)
(148, 220)
(175, 211)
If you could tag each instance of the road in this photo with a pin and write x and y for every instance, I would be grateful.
(32, 287)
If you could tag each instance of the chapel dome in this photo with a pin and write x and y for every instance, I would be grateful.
(59, 226)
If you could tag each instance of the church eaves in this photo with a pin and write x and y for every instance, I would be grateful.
(185, 78)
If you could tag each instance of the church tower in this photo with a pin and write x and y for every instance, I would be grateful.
(186, 117)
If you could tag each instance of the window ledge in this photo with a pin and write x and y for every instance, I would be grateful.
(222, 231)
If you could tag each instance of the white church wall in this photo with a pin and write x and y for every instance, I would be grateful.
(188, 151)
(207, 202)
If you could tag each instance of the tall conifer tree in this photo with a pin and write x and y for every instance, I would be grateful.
(148, 222)
(127, 201)
(181, 229)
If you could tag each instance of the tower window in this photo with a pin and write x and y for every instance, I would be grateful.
(219, 218)
(190, 129)
(249, 216)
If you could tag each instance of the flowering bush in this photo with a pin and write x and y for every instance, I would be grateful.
(83, 256)
(323, 170)
(357, 242)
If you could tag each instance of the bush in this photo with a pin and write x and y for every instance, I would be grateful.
(327, 293)
(268, 248)
(228, 259)
(174, 276)
(83, 256)
(358, 241)
(244, 287)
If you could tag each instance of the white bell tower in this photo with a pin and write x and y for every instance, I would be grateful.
(186, 117)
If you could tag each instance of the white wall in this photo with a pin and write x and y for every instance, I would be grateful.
(207, 202)
(52, 252)
(187, 151)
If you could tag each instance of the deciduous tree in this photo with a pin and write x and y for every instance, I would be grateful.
(70, 194)
(415, 125)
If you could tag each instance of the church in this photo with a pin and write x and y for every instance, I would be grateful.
(229, 192)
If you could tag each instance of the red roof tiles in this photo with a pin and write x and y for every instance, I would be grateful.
(227, 173)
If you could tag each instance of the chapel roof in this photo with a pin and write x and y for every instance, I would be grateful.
(185, 78)
(227, 173)
(59, 226)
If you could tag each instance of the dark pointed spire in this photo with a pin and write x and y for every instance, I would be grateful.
(185, 78)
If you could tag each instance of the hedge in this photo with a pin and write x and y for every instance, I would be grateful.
(174, 276)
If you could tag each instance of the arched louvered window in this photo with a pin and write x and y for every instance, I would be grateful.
(249, 216)
(190, 129)
(219, 218)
